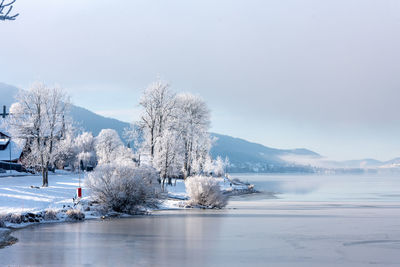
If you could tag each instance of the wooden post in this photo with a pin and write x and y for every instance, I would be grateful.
(9, 143)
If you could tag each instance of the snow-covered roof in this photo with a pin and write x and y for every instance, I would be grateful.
(15, 152)
(4, 141)
(3, 131)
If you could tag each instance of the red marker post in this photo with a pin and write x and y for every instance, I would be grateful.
(79, 192)
(79, 189)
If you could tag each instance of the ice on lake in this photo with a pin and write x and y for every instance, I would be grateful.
(311, 221)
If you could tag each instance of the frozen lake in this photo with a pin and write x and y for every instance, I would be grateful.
(313, 221)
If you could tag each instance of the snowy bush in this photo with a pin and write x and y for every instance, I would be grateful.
(205, 191)
(14, 218)
(50, 215)
(75, 215)
(123, 187)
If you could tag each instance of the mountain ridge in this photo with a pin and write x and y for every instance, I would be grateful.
(243, 155)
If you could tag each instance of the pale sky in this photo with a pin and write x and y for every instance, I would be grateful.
(323, 75)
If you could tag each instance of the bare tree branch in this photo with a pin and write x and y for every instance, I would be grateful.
(5, 10)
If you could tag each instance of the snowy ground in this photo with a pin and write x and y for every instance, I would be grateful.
(7, 173)
(20, 194)
(17, 195)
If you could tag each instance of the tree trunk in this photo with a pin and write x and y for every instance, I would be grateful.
(189, 168)
(166, 167)
(185, 163)
(45, 175)
(152, 143)
(163, 185)
(164, 177)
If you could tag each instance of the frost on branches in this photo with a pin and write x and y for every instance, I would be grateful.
(174, 129)
(216, 167)
(157, 104)
(109, 147)
(124, 187)
(84, 146)
(66, 152)
(39, 122)
(193, 125)
(205, 191)
(168, 157)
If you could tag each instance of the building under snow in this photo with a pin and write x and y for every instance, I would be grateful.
(10, 152)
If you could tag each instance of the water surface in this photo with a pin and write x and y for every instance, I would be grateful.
(310, 223)
(363, 188)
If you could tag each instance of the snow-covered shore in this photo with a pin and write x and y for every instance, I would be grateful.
(23, 202)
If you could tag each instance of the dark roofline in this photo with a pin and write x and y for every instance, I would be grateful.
(4, 134)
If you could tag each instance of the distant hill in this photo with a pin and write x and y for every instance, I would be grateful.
(244, 156)
(7, 93)
(94, 123)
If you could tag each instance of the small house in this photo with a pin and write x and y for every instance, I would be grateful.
(10, 153)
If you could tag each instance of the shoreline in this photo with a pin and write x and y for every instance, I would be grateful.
(6, 239)
(173, 202)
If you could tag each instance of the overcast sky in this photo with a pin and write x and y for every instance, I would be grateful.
(323, 75)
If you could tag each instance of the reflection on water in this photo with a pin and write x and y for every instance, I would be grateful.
(327, 188)
(253, 230)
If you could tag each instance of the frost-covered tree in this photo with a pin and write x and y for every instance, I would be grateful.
(208, 166)
(39, 119)
(193, 123)
(174, 129)
(124, 154)
(84, 146)
(5, 10)
(201, 152)
(65, 151)
(215, 167)
(168, 155)
(219, 167)
(134, 135)
(157, 105)
(109, 147)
